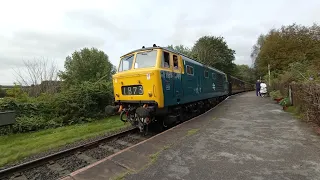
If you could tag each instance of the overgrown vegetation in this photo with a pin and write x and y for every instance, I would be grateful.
(293, 53)
(87, 65)
(275, 94)
(18, 146)
(2, 92)
(87, 89)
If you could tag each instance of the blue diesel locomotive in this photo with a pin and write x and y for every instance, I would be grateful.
(159, 85)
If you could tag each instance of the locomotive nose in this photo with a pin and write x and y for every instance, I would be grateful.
(136, 86)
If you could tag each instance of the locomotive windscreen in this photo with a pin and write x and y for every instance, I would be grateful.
(126, 63)
(146, 59)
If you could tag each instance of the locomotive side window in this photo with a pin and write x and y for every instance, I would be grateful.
(165, 60)
(189, 70)
(214, 77)
(206, 74)
(175, 62)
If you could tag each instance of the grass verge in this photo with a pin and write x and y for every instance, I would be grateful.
(294, 111)
(18, 146)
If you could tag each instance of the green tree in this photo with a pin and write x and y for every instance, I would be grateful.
(287, 45)
(214, 51)
(87, 65)
(181, 49)
(245, 73)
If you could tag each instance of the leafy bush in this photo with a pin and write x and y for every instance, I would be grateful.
(275, 94)
(80, 103)
(285, 102)
(83, 101)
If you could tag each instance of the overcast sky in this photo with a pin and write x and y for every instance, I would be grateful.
(54, 29)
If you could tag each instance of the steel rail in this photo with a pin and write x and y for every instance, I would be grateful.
(51, 157)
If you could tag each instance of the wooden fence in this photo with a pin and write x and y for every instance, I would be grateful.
(305, 96)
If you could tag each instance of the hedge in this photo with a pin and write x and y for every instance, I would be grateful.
(78, 104)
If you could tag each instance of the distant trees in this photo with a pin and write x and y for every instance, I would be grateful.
(287, 47)
(39, 74)
(181, 49)
(2, 92)
(86, 65)
(245, 73)
(212, 51)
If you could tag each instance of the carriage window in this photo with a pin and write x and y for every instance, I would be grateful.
(206, 74)
(189, 70)
(165, 60)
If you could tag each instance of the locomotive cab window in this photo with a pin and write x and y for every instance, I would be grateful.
(146, 59)
(189, 70)
(206, 74)
(126, 63)
(175, 62)
(165, 60)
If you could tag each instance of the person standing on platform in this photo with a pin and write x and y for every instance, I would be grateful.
(258, 88)
(263, 89)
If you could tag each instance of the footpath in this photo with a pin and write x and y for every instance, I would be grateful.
(244, 137)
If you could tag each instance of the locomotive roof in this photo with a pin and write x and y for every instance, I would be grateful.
(173, 51)
(176, 52)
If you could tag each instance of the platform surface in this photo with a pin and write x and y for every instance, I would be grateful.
(244, 137)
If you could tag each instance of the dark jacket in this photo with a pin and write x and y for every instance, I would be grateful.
(257, 85)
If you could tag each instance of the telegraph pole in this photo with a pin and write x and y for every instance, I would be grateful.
(269, 74)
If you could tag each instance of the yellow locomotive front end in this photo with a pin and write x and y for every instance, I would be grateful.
(137, 86)
(138, 79)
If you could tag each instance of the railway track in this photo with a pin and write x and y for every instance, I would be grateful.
(57, 165)
(62, 163)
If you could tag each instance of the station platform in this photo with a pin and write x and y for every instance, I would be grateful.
(244, 137)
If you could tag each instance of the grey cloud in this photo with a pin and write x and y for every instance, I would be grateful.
(29, 44)
(95, 19)
(54, 43)
(130, 25)
(7, 77)
(243, 60)
(8, 62)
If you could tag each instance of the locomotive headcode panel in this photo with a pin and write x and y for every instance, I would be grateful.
(132, 90)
